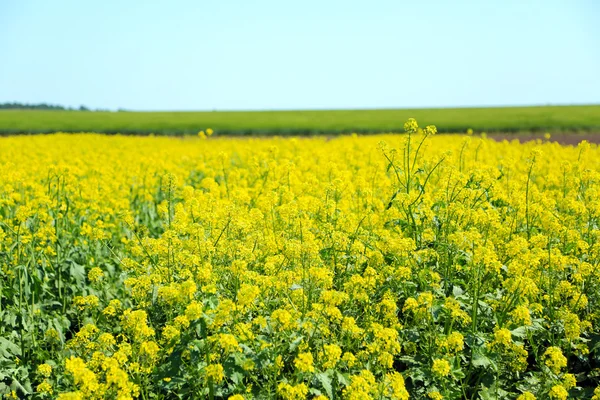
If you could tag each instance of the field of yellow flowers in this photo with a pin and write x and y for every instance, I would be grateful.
(399, 266)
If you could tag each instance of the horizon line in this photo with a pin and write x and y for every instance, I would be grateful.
(251, 110)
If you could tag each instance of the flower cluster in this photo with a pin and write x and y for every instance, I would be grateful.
(429, 266)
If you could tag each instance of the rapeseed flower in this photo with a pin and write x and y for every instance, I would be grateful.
(554, 359)
(304, 362)
(279, 260)
(441, 368)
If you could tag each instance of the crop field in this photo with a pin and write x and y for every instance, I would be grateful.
(554, 119)
(416, 265)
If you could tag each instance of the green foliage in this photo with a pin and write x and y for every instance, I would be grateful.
(283, 123)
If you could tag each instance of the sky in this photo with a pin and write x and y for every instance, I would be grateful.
(309, 54)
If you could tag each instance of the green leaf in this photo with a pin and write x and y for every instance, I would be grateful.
(8, 349)
(492, 393)
(17, 386)
(237, 378)
(295, 343)
(457, 291)
(342, 378)
(77, 271)
(487, 394)
(480, 360)
(325, 381)
(520, 332)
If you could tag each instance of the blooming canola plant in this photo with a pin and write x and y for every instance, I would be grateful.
(413, 265)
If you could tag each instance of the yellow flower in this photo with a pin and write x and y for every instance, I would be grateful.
(569, 381)
(332, 355)
(349, 359)
(282, 318)
(70, 396)
(526, 396)
(521, 315)
(289, 392)
(430, 130)
(279, 364)
(106, 340)
(455, 342)
(304, 362)
(456, 313)
(555, 360)
(193, 311)
(182, 322)
(44, 370)
(170, 333)
(397, 388)
(503, 337)
(410, 304)
(114, 306)
(558, 392)
(572, 325)
(435, 395)
(411, 126)
(441, 367)
(149, 349)
(95, 275)
(51, 335)
(214, 372)
(44, 387)
(228, 343)
(86, 302)
(246, 295)
(11, 395)
(82, 375)
(361, 386)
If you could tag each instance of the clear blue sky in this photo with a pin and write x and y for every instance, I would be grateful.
(275, 54)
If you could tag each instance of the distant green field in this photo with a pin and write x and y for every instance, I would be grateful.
(505, 119)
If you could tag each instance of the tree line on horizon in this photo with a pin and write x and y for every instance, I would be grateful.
(43, 106)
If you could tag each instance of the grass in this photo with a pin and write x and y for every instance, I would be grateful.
(499, 119)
